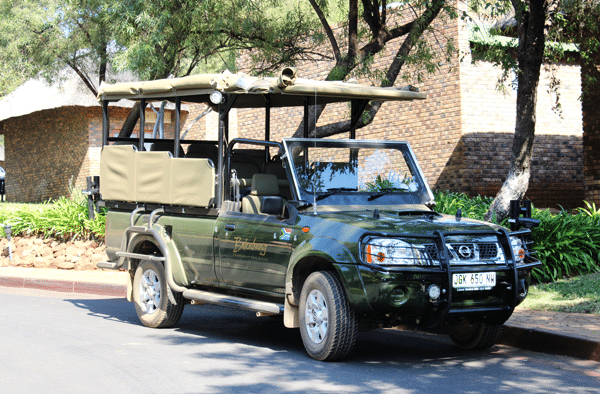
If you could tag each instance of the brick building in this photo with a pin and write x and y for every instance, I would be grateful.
(462, 134)
(591, 135)
(53, 137)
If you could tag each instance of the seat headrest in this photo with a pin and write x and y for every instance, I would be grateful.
(264, 185)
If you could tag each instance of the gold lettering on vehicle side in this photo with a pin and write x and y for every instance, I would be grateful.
(250, 246)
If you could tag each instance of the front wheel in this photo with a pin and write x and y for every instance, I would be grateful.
(155, 303)
(328, 325)
(475, 334)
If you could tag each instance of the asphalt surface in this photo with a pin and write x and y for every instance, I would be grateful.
(85, 343)
(569, 334)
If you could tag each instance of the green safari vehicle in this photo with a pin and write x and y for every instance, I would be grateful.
(333, 235)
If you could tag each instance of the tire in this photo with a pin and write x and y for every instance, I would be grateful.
(155, 303)
(328, 326)
(475, 334)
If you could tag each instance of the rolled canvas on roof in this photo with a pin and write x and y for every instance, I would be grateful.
(286, 83)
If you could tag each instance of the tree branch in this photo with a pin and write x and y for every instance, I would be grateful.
(418, 27)
(332, 40)
(83, 77)
(352, 31)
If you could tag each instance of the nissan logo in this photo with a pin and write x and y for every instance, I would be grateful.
(465, 251)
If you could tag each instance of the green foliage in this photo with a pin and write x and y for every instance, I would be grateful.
(158, 39)
(63, 219)
(567, 244)
(44, 37)
(379, 184)
(473, 208)
(573, 295)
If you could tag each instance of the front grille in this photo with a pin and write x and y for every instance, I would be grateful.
(468, 253)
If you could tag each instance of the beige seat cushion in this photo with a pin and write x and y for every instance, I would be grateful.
(263, 185)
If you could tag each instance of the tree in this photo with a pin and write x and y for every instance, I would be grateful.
(44, 37)
(375, 25)
(161, 39)
(534, 22)
(276, 33)
(532, 18)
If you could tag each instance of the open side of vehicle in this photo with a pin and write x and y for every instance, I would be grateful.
(332, 234)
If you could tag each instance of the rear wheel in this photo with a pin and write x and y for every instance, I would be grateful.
(475, 334)
(155, 303)
(328, 325)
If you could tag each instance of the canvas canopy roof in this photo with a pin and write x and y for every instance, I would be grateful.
(283, 91)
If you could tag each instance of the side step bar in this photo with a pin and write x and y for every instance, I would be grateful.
(235, 302)
(117, 264)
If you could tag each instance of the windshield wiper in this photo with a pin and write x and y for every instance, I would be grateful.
(382, 193)
(335, 190)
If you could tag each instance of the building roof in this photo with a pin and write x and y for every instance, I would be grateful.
(38, 95)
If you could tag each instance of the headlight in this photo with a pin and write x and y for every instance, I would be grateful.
(387, 251)
(518, 249)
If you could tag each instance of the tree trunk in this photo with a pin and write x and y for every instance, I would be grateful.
(129, 124)
(531, 24)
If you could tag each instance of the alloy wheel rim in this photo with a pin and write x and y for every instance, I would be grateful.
(316, 316)
(150, 291)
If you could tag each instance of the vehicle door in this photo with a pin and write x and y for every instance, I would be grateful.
(253, 252)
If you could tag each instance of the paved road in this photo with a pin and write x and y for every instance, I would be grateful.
(74, 343)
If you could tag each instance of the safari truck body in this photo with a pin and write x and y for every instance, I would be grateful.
(331, 234)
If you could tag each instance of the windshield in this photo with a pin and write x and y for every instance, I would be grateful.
(355, 172)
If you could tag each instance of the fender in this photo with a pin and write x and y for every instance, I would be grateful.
(339, 257)
(173, 266)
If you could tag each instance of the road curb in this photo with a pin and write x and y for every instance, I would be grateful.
(546, 342)
(106, 289)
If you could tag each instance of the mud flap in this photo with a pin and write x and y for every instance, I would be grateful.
(130, 286)
(290, 315)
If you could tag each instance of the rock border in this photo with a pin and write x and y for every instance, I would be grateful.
(36, 252)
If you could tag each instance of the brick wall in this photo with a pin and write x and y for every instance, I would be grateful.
(2, 133)
(462, 134)
(432, 126)
(488, 124)
(51, 151)
(44, 153)
(483, 161)
(591, 137)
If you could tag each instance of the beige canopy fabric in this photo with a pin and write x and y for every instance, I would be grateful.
(285, 90)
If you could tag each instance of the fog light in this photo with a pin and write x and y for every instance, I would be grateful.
(434, 292)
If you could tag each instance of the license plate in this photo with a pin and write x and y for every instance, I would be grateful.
(474, 281)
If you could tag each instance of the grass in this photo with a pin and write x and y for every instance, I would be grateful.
(575, 295)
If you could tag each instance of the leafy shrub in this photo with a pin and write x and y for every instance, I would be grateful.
(567, 244)
(471, 207)
(63, 219)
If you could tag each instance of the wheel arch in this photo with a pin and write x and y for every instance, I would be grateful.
(317, 255)
(151, 243)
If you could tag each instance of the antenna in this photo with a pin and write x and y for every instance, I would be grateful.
(315, 141)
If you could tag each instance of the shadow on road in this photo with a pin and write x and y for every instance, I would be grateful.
(227, 350)
(118, 309)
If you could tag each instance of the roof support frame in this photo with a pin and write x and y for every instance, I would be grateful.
(224, 109)
(177, 126)
(142, 124)
(306, 116)
(267, 125)
(357, 109)
(105, 123)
